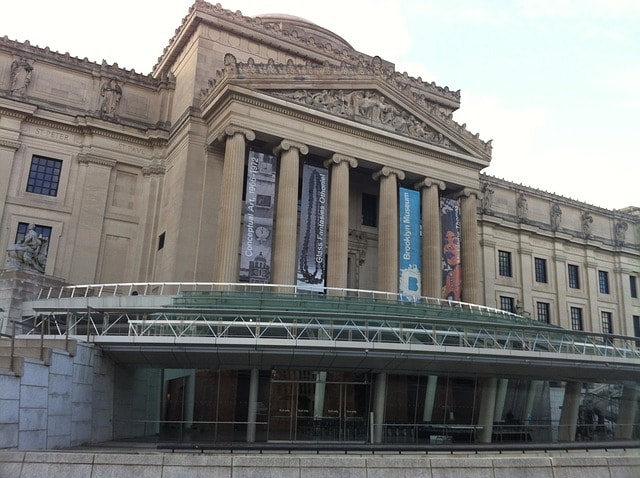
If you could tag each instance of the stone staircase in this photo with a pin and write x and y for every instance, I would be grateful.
(30, 347)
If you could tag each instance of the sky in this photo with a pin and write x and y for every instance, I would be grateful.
(554, 83)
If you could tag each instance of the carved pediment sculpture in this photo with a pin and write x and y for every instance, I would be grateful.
(430, 101)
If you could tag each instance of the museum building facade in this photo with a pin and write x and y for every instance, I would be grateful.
(336, 240)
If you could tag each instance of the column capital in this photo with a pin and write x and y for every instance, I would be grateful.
(338, 158)
(9, 144)
(232, 130)
(286, 145)
(428, 182)
(467, 193)
(93, 159)
(386, 171)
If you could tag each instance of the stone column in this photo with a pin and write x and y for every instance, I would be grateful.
(470, 248)
(379, 402)
(226, 261)
(627, 411)
(318, 396)
(532, 393)
(338, 249)
(569, 413)
(501, 396)
(429, 398)
(488, 389)
(252, 407)
(388, 229)
(286, 224)
(431, 247)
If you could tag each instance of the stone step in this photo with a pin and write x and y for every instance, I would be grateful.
(54, 343)
(18, 365)
(43, 354)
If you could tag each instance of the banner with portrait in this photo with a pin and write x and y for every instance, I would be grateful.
(409, 243)
(257, 230)
(312, 243)
(451, 263)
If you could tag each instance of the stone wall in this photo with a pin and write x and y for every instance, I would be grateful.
(624, 464)
(66, 404)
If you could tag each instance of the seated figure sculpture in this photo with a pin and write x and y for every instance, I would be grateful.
(30, 253)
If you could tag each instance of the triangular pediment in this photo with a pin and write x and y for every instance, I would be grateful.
(367, 94)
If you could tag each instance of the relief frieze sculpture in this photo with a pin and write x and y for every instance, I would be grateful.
(360, 104)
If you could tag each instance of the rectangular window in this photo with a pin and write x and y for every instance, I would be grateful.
(504, 263)
(574, 276)
(506, 304)
(603, 281)
(543, 312)
(44, 176)
(369, 210)
(161, 241)
(42, 231)
(633, 285)
(607, 323)
(636, 328)
(576, 318)
(541, 270)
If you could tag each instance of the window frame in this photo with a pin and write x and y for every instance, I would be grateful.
(573, 276)
(505, 299)
(545, 316)
(369, 210)
(633, 286)
(505, 265)
(575, 316)
(540, 267)
(603, 282)
(44, 176)
(606, 321)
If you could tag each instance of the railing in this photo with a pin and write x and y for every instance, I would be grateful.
(342, 316)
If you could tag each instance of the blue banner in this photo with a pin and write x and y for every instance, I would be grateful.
(409, 243)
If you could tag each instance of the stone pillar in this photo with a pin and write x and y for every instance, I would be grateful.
(226, 261)
(252, 407)
(431, 237)
(338, 249)
(488, 389)
(627, 410)
(569, 413)
(388, 229)
(501, 396)
(430, 398)
(532, 393)
(286, 224)
(318, 396)
(7, 153)
(379, 402)
(470, 248)
(96, 175)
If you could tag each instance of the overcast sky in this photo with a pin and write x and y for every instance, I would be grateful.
(554, 83)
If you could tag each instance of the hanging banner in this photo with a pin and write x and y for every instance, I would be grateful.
(451, 269)
(409, 243)
(257, 237)
(313, 226)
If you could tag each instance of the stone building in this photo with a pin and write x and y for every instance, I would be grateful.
(108, 176)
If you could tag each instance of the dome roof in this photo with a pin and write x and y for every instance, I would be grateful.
(290, 23)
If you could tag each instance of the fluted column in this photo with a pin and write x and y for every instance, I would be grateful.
(388, 229)
(338, 249)
(226, 260)
(431, 246)
(470, 247)
(285, 243)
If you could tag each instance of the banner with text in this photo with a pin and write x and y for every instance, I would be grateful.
(451, 269)
(257, 237)
(409, 243)
(313, 225)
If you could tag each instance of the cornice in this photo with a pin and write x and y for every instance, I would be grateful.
(9, 144)
(92, 159)
(410, 145)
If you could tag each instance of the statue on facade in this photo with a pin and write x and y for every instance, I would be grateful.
(556, 216)
(20, 76)
(521, 207)
(487, 197)
(587, 221)
(620, 230)
(30, 253)
(111, 93)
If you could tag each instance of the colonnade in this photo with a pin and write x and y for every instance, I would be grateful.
(226, 268)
